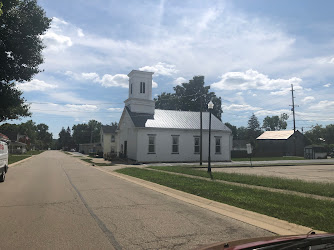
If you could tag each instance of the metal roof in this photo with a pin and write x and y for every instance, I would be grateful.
(275, 135)
(108, 129)
(176, 120)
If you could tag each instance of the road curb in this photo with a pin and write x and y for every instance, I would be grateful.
(271, 224)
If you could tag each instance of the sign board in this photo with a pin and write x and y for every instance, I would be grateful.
(249, 148)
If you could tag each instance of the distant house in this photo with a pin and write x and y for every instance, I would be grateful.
(90, 148)
(146, 134)
(18, 143)
(108, 139)
(281, 143)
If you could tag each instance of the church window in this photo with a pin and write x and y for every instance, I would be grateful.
(112, 138)
(151, 144)
(196, 145)
(175, 144)
(218, 145)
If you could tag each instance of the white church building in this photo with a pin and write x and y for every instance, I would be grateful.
(146, 134)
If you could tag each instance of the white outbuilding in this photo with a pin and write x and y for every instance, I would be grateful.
(146, 134)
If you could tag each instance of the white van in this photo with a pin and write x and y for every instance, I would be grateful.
(3, 160)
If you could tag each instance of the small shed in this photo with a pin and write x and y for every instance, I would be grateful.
(281, 143)
(315, 152)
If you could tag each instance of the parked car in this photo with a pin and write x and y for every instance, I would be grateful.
(3, 160)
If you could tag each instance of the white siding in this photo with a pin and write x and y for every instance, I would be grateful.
(186, 145)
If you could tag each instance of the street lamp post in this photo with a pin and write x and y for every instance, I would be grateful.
(210, 107)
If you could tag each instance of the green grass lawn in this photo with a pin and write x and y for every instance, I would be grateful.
(317, 188)
(16, 158)
(316, 214)
(286, 158)
(96, 163)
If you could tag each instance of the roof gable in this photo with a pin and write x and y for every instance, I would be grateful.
(276, 135)
(108, 129)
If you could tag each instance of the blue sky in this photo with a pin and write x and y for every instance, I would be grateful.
(250, 53)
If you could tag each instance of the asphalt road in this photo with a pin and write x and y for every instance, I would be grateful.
(55, 201)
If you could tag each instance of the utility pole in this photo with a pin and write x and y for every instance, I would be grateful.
(293, 109)
(294, 119)
(201, 131)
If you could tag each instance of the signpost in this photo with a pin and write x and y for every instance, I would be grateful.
(249, 151)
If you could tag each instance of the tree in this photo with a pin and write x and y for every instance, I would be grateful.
(275, 122)
(233, 129)
(44, 138)
(12, 105)
(1, 12)
(21, 25)
(253, 129)
(187, 97)
(87, 132)
(65, 140)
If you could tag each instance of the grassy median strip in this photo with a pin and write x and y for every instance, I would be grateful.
(317, 214)
(96, 163)
(286, 158)
(317, 188)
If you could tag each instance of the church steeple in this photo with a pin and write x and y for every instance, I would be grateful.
(140, 92)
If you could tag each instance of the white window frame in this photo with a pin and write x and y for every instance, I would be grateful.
(197, 146)
(218, 145)
(152, 144)
(177, 144)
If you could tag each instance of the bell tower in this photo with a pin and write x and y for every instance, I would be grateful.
(140, 92)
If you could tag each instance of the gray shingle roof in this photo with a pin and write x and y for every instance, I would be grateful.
(176, 120)
(108, 129)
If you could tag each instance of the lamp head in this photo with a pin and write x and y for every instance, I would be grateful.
(210, 105)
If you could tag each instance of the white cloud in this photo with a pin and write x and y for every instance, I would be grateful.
(92, 76)
(332, 60)
(327, 85)
(54, 39)
(118, 80)
(115, 109)
(36, 85)
(308, 99)
(179, 80)
(324, 106)
(83, 107)
(239, 107)
(80, 33)
(252, 79)
(154, 84)
(264, 112)
(161, 69)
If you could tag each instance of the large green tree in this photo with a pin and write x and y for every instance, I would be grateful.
(65, 140)
(275, 122)
(86, 132)
(38, 134)
(187, 97)
(21, 25)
